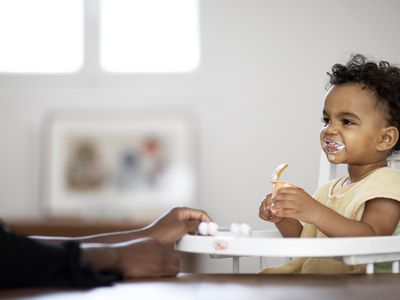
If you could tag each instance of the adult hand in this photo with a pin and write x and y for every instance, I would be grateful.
(265, 212)
(177, 222)
(144, 257)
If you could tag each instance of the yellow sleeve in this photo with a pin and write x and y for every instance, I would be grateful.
(384, 183)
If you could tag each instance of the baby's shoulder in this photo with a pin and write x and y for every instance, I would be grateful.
(385, 172)
(384, 179)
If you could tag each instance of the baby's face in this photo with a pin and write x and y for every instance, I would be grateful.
(352, 125)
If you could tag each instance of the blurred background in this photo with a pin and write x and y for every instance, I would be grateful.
(211, 94)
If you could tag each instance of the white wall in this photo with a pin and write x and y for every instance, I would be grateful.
(257, 97)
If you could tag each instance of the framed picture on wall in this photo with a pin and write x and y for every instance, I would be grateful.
(127, 164)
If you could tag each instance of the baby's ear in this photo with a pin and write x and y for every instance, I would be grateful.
(389, 138)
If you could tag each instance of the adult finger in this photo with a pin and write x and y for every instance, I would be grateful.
(186, 214)
(191, 226)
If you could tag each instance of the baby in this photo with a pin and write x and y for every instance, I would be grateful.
(361, 124)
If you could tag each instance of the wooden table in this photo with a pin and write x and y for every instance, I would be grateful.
(232, 287)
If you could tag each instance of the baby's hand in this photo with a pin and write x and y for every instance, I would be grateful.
(297, 204)
(265, 212)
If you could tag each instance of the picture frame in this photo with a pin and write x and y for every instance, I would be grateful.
(133, 165)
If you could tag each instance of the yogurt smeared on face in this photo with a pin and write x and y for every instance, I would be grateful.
(331, 148)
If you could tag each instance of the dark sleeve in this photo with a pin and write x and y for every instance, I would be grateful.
(25, 262)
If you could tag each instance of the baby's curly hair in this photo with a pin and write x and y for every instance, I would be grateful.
(380, 78)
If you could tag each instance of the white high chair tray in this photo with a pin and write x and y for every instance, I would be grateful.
(269, 243)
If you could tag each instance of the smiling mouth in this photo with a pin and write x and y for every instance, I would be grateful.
(332, 147)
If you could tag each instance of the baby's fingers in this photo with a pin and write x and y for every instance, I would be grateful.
(282, 204)
(284, 208)
(285, 213)
(264, 212)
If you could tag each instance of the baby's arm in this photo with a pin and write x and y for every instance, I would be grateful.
(380, 217)
(289, 227)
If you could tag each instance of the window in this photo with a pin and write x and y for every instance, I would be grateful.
(49, 36)
(41, 36)
(149, 35)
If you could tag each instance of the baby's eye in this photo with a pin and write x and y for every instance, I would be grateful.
(347, 122)
(325, 121)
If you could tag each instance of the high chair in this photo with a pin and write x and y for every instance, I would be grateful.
(269, 243)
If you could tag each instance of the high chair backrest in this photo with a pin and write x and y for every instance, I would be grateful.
(394, 161)
(328, 171)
